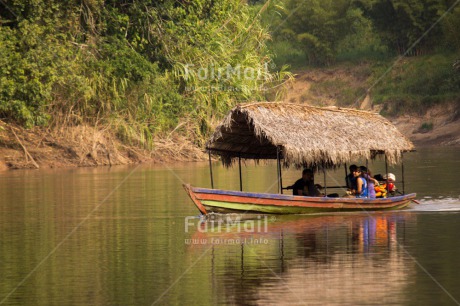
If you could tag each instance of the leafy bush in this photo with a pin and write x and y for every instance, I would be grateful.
(416, 84)
(286, 53)
(425, 127)
(134, 65)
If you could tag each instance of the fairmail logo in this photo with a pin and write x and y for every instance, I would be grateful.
(226, 224)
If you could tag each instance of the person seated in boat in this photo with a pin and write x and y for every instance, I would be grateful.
(381, 190)
(350, 180)
(361, 182)
(306, 186)
(366, 173)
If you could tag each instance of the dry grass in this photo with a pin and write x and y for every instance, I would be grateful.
(83, 146)
(307, 135)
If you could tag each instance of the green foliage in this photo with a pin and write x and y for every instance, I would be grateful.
(287, 53)
(361, 43)
(144, 66)
(318, 27)
(31, 60)
(138, 66)
(401, 24)
(330, 31)
(370, 33)
(415, 85)
(450, 28)
(425, 127)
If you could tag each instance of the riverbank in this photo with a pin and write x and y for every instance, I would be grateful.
(85, 146)
(343, 85)
(440, 126)
(88, 146)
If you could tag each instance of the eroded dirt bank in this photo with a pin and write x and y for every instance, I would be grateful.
(440, 126)
(83, 146)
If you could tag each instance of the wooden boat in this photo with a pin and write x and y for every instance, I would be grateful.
(306, 137)
(227, 201)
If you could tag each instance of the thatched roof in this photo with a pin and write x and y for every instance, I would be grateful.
(306, 135)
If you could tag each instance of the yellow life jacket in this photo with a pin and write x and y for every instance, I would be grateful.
(381, 191)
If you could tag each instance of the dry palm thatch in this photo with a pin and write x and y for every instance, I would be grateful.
(306, 135)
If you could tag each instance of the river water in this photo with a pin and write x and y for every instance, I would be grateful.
(131, 236)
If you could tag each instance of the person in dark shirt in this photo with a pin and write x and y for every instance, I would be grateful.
(305, 186)
(351, 180)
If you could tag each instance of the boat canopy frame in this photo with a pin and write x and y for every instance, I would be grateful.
(306, 137)
(280, 177)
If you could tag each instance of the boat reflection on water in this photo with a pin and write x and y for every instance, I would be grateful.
(310, 259)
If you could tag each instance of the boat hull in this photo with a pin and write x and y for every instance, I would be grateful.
(226, 201)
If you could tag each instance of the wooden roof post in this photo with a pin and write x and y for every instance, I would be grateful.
(386, 175)
(325, 186)
(402, 174)
(210, 169)
(239, 166)
(368, 177)
(278, 162)
(346, 176)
